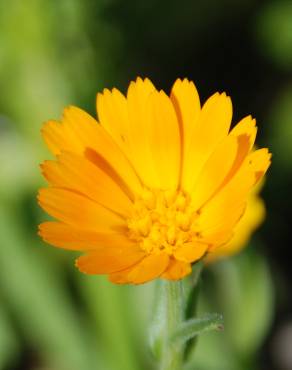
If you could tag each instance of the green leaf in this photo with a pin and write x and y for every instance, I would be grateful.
(193, 327)
(8, 340)
(112, 314)
(35, 290)
(247, 300)
(222, 357)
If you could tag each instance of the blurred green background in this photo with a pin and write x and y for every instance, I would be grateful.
(55, 53)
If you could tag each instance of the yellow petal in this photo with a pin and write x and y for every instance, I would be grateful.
(252, 218)
(245, 133)
(78, 133)
(247, 126)
(79, 211)
(243, 148)
(227, 206)
(215, 238)
(258, 162)
(186, 102)
(190, 252)
(56, 138)
(149, 268)
(164, 140)
(113, 116)
(176, 270)
(68, 237)
(215, 171)
(213, 125)
(139, 135)
(77, 173)
(224, 162)
(108, 260)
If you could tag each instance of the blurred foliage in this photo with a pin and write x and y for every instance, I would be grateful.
(55, 53)
(247, 304)
(275, 19)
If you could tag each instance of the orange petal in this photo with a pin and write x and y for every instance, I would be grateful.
(139, 134)
(258, 162)
(213, 125)
(164, 140)
(215, 171)
(186, 101)
(120, 277)
(77, 132)
(78, 211)
(149, 268)
(68, 237)
(190, 252)
(247, 126)
(113, 116)
(75, 172)
(217, 237)
(224, 210)
(108, 260)
(245, 133)
(251, 219)
(177, 270)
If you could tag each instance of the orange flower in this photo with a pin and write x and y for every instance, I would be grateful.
(153, 187)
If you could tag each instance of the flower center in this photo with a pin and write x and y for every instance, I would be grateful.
(162, 221)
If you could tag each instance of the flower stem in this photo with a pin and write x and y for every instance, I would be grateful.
(172, 354)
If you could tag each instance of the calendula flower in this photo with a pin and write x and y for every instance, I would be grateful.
(154, 185)
(250, 221)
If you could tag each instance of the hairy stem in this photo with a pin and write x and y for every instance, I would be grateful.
(172, 354)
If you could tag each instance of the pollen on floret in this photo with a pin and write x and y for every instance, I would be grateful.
(162, 221)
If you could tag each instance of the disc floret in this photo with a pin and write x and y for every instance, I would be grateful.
(162, 221)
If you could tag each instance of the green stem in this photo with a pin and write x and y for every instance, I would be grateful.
(172, 354)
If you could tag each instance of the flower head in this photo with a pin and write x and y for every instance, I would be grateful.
(157, 184)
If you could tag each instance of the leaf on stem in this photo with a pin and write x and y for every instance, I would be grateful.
(193, 327)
